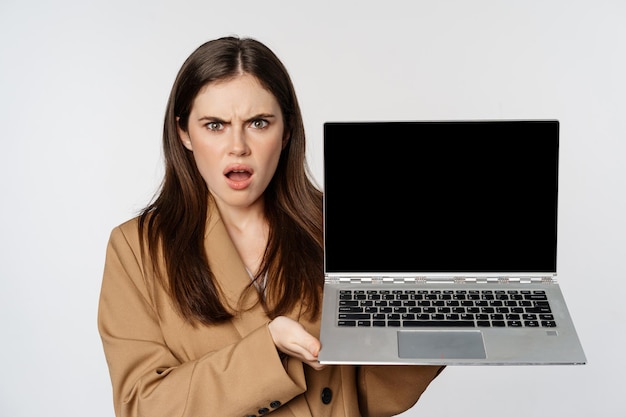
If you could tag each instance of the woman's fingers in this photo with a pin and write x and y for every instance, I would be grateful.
(291, 338)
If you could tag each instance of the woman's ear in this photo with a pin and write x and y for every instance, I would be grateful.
(183, 135)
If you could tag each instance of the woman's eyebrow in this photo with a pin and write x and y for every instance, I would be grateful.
(260, 116)
(212, 119)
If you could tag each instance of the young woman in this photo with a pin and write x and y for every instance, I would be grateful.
(210, 299)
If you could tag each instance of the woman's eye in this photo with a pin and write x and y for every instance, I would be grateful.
(214, 125)
(259, 124)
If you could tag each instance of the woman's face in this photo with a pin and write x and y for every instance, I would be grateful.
(236, 133)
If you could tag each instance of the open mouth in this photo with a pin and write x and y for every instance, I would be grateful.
(238, 175)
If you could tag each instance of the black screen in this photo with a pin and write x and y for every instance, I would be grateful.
(438, 197)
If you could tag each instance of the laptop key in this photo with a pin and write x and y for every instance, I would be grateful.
(538, 310)
(535, 297)
(438, 323)
(350, 309)
(354, 316)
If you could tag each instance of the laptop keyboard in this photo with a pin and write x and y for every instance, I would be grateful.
(448, 308)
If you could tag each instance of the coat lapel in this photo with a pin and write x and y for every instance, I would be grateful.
(232, 277)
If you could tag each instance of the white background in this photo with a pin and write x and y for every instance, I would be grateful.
(83, 87)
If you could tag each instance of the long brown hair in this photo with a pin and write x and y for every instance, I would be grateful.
(174, 223)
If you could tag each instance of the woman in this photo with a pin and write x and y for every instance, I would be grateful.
(210, 299)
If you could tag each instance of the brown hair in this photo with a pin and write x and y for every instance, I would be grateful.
(174, 223)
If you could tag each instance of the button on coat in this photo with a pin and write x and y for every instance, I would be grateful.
(327, 395)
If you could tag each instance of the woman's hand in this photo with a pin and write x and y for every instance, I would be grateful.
(291, 338)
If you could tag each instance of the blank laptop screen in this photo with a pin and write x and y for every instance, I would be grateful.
(441, 197)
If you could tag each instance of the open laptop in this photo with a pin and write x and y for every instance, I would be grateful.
(440, 244)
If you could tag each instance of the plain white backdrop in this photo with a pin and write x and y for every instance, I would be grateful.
(83, 87)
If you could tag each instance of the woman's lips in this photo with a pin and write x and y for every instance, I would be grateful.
(238, 177)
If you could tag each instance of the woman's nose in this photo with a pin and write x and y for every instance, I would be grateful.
(239, 144)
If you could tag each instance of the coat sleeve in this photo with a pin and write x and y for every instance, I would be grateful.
(149, 380)
(390, 390)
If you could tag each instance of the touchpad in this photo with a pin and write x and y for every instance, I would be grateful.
(441, 345)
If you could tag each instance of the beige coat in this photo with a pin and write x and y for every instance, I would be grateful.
(160, 366)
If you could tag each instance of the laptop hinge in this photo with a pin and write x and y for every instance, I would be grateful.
(506, 280)
(375, 280)
(426, 280)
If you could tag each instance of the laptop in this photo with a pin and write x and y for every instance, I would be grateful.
(440, 244)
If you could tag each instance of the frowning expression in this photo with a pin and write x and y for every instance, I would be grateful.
(236, 133)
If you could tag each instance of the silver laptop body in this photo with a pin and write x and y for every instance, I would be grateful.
(440, 244)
